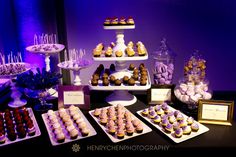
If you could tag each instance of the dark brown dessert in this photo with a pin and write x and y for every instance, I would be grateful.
(94, 82)
(125, 79)
(143, 81)
(112, 79)
(131, 67)
(136, 71)
(105, 76)
(105, 82)
(118, 82)
(131, 82)
(112, 67)
(141, 66)
(135, 77)
(107, 71)
(95, 76)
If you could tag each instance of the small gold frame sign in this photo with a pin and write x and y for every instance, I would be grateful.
(216, 112)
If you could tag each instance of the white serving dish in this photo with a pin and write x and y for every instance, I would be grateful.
(37, 131)
(67, 137)
(113, 138)
(202, 128)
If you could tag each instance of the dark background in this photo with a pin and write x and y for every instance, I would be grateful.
(206, 25)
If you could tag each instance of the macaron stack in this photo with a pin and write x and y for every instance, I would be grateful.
(163, 73)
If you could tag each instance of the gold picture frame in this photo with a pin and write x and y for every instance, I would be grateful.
(216, 112)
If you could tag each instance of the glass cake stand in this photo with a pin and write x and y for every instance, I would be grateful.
(76, 67)
(17, 101)
(55, 48)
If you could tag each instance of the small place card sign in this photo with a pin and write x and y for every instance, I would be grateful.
(73, 95)
(215, 112)
(160, 93)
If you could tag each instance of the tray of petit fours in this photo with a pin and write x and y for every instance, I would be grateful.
(173, 123)
(119, 123)
(133, 78)
(17, 125)
(133, 51)
(67, 125)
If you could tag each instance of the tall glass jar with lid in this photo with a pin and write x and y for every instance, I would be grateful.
(163, 69)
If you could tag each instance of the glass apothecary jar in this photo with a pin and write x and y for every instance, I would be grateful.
(163, 68)
(194, 85)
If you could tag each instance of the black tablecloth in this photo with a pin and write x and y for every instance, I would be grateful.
(220, 139)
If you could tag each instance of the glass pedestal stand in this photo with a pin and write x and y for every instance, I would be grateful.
(41, 95)
(16, 101)
(47, 62)
(16, 97)
(76, 70)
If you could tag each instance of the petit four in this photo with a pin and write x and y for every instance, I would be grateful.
(178, 133)
(157, 119)
(2, 138)
(145, 112)
(85, 131)
(119, 53)
(186, 130)
(130, 21)
(169, 128)
(74, 133)
(194, 127)
(120, 133)
(139, 128)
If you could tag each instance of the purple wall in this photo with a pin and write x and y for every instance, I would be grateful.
(208, 26)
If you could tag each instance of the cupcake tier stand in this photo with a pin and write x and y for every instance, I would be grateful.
(121, 93)
(16, 94)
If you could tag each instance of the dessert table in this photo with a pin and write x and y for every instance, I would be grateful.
(219, 139)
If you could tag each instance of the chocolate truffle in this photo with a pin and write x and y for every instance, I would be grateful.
(118, 82)
(112, 67)
(131, 82)
(125, 79)
(105, 82)
(131, 67)
(112, 79)
(94, 82)
(105, 76)
(135, 77)
(136, 71)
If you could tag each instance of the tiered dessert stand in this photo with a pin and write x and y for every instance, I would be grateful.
(45, 45)
(75, 63)
(121, 94)
(16, 94)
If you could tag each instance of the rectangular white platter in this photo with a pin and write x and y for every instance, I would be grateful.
(114, 139)
(67, 139)
(135, 87)
(202, 128)
(37, 130)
